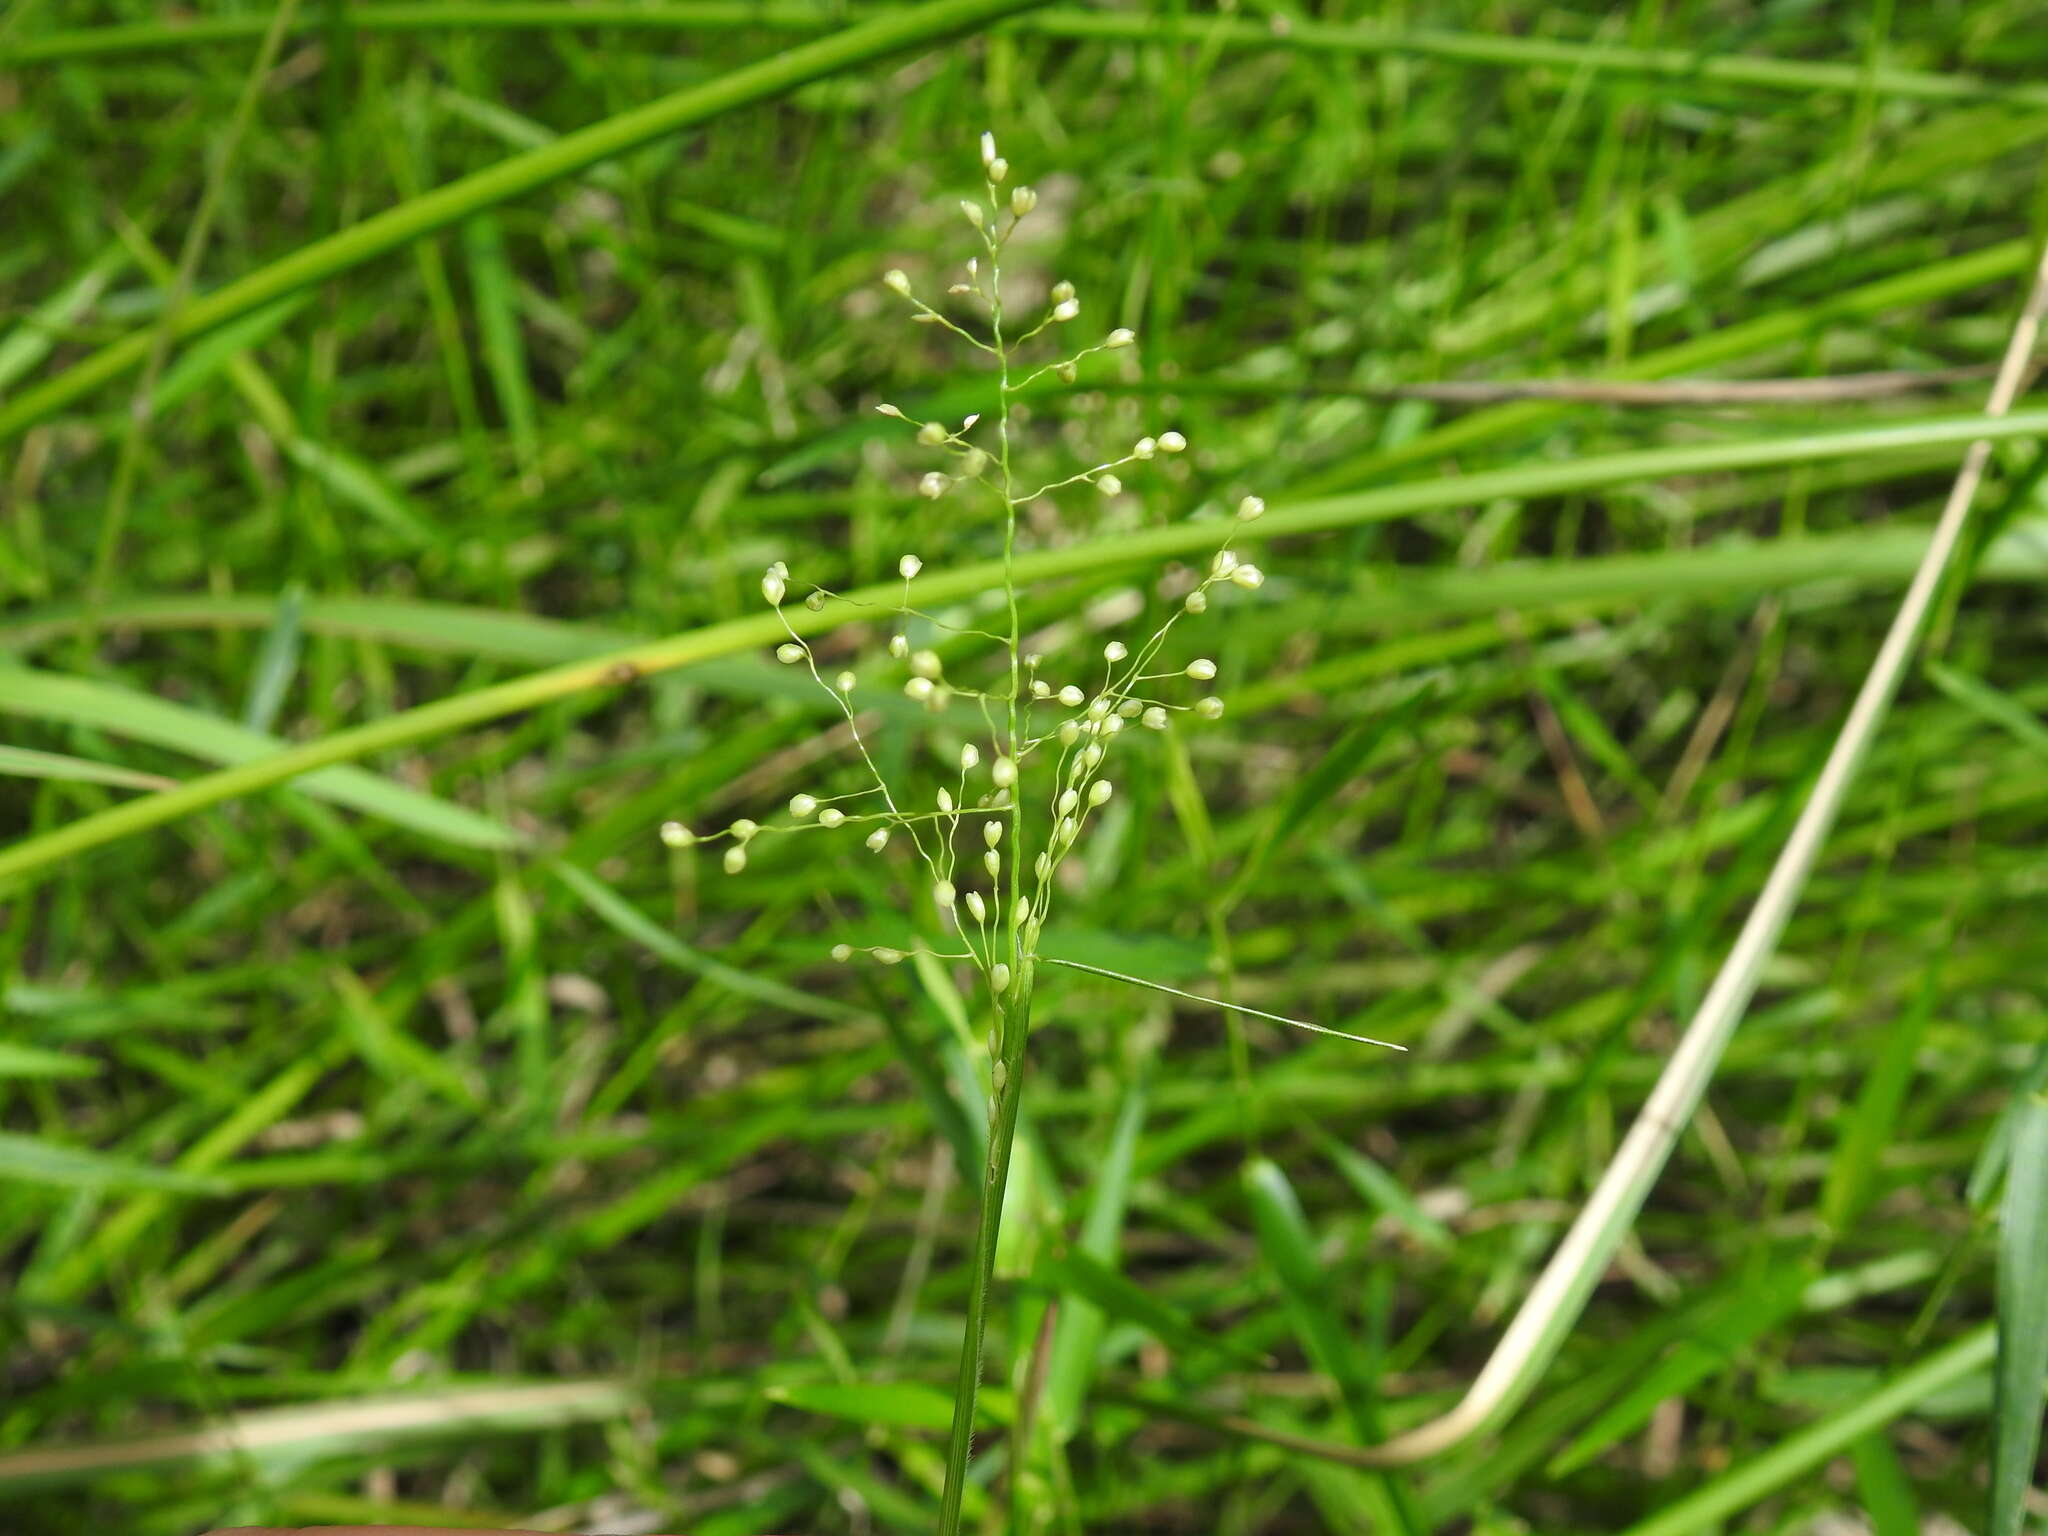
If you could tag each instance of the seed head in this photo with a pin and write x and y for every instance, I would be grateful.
(1023, 200)
(896, 281)
(909, 566)
(1109, 485)
(1224, 563)
(988, 147)
(926, 663)
(1090, 756)
(970, 757)
(745, 828)
(999, 979)
(1172, 442)
(1154, 719)
(933, 484)
(1067, 828)
(973, 212)
(1145, 448)
(1066, 372)
(1004, 772)
(1071, 696)
(976, 907)
(991, 832)
(1062, 291)
(1040, 688)
(1201, 669)
(993, 863)
(1069, 799)
(1070, 732)
(1115, 651)
(831, 816)
(920, 688)
(998, 168)
(931, 432)
(1251, 509)
(1248, 577)
(801, 806)
(676, 835)
(945, 799)
(889, 956)
(1122, 336)
(878, 839)
(773, 587)
(789, 652)
(899, 646)
(885, 408)
(842, 953)
(844, 682)
(1210, 708)
(943, 894)
(735, 859)
(815, 601)
(973, 462)
(1197, 601)
(1066, 309)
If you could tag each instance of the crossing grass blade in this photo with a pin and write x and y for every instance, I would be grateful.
(737, 635)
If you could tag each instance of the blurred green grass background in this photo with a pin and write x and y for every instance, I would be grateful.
(433, 1078)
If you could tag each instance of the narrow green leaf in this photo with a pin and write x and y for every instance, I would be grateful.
(504, 348)
(33, 1061)
(1333, 770)
(2001, 709)
(28, 763)
(1874, 1120)
(30, 342)
(358, 485)
(1081, 1275)
(277, 662)
(2022, 1371)
(27, 1160)
(392, 1053)
(1289, 1247)
(1762, 1474)
(1887, 1491)
(142, 717)
(628, 919)
(1591, 733)
(1385, 1193)
(1988, 1171)
(1715, 1334)
(1082, 1319)
(200, 363)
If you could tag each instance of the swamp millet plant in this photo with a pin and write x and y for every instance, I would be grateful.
(1024, 747)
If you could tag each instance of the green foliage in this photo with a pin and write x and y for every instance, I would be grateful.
(371, 1074)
